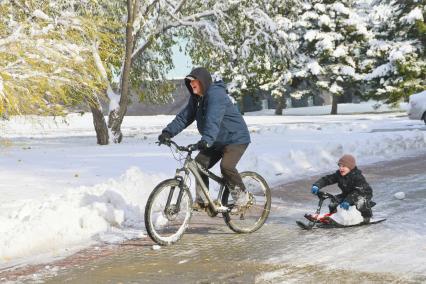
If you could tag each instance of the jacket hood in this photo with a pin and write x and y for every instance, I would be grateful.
(202, 74)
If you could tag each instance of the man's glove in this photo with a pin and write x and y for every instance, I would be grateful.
(315, 189)
(164, 138)
(345, 205)
(202, 145)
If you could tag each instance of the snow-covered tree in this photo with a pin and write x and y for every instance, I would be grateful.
(331, 36)
(156, 23)
(44, 66)
(50, 51)
(258, 48)
(396, 66)
(88, 49)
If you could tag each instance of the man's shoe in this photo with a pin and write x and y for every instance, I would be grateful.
(241, 202)
(243, 198)
(366, 220)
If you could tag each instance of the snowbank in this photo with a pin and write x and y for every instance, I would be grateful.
(107, 212)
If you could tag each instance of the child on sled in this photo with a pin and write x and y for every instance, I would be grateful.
(355, 189)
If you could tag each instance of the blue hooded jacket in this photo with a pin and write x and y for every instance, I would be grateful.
(218, 120)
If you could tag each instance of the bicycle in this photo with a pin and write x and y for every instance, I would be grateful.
(169, 207)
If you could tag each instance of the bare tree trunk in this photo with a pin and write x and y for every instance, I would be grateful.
(334, 104)
(100, 126)
(116, 116)
(99, 122)
(115, 119)
(280, 105)
(240, 101)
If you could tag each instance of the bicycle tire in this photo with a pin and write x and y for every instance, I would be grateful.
(256, 214)
(165, 227)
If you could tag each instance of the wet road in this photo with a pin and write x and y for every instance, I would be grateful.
(393, 251)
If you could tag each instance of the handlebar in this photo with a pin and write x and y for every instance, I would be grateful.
(325, 195)
(190, 148)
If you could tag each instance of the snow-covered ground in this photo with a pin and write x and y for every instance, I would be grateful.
(61, 192)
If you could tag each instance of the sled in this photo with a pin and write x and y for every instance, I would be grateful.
(325, 221)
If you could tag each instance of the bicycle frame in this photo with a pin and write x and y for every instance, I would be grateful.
(191, 166)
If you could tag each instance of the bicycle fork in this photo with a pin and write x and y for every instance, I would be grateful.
(173, 209)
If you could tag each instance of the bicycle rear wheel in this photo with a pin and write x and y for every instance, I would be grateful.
(254, 215)
(167, 224)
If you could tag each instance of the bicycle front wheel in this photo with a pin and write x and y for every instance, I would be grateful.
(254, 215)
(168, 212)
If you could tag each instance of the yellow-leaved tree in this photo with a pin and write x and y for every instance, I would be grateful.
(47, 63)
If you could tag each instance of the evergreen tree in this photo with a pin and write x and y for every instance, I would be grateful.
(258, 48)
(331, 36)
(396, 66)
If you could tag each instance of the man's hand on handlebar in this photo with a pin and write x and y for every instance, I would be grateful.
(164, 138)
(202, 145)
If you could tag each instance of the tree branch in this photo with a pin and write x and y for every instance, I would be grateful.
(98, 62)
(13, 37)
(184, 22)
(24, 8)
(179, 6)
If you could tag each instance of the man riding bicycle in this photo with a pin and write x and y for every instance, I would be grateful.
(224, 133)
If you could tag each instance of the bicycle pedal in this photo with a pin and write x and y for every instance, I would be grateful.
(237, 212)
(223, 209)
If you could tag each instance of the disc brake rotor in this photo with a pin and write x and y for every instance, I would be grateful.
(171, 212)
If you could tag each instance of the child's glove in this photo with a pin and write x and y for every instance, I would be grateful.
(315, 189)
(345, 205)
